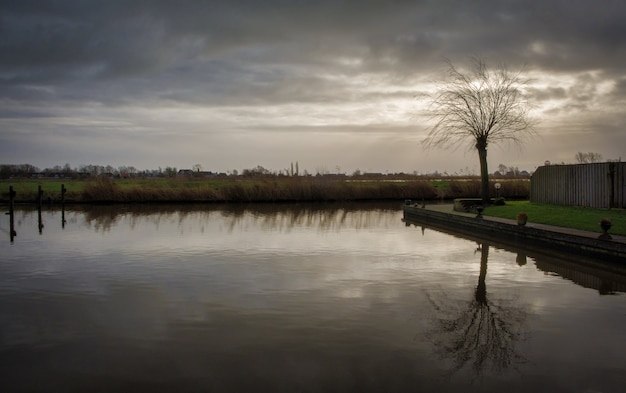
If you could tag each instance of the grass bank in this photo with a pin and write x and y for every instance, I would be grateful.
(271, 189)
(306, 189)
(564, 216)
(240, 189)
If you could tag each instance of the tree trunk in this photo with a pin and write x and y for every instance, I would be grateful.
(484, 172)
(481, 290)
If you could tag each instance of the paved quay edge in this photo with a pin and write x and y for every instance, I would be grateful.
(550, 237)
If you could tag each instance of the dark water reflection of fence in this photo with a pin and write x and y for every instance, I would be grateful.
(605, 282)
(605, 277)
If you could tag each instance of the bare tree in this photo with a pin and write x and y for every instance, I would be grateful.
(595, 157)
(585, 158)
(481, 107)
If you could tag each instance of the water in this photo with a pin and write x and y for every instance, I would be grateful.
(295, 298)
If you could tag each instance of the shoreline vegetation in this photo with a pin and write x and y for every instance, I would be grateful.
(273, 189)
(103, 189)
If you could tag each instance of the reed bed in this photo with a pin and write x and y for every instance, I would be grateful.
(265, 189)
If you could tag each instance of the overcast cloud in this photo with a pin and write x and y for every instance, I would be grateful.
(331, 84)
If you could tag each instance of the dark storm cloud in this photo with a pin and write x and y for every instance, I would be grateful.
(60, 41)
(84, 31)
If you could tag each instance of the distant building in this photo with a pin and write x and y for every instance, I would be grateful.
(185, 172)
(192, 173)
(50, 175)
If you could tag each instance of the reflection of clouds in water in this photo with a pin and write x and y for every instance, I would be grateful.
(55, 318)
(134, 311)
(186, 292)
(263, 227)
(350, 293)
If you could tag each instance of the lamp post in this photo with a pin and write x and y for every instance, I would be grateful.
(498, 185)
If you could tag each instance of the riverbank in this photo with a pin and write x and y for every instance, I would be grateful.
(548, 237)
(248, 189)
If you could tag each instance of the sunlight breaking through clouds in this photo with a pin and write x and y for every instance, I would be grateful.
(162, 76)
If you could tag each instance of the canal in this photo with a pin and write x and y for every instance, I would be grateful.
(295, 298)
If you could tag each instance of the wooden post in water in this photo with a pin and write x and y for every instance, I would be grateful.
(12, 232)
(63, 191)
(39, 195)
(11, 198)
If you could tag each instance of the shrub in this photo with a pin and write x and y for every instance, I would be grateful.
(101, 188)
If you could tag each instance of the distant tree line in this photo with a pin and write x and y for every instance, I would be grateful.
(510, 171)
(8, 171)
(586, 158)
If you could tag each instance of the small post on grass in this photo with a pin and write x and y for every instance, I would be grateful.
(498, 185)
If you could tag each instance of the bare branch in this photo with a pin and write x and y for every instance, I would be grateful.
(480, 104)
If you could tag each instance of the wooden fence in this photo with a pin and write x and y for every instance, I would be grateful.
(600, 185)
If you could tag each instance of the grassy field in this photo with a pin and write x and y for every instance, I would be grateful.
(565, 216)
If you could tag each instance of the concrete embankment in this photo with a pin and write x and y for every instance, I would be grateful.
(548, 238)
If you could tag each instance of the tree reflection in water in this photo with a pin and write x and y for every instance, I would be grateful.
(274, 216)
(480, 335)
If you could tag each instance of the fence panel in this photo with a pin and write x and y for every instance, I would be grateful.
(591, 185)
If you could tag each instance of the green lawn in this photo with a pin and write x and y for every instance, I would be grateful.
(565, 216)
(29, 186)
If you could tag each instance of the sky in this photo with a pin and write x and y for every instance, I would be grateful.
(336, 86)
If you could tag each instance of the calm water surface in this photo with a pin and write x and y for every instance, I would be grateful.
(295, 298)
